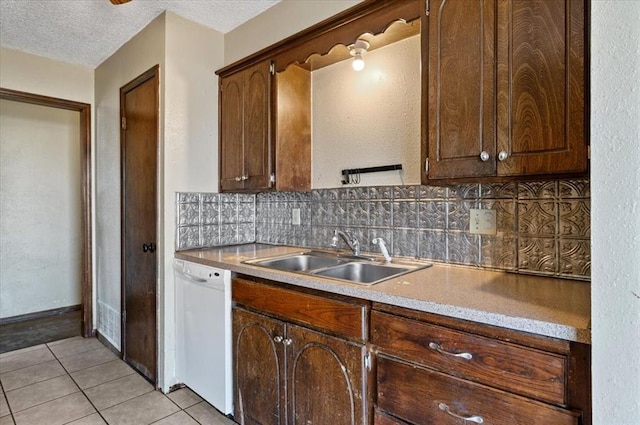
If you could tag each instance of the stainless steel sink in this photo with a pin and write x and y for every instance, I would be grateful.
(356, 269)
(300, 262)
(362, 272)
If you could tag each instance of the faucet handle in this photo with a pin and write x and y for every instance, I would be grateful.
(383, 249)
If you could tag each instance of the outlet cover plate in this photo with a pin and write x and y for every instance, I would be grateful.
(295, 216)
(482, 222)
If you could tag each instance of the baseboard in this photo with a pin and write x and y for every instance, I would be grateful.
(108, 344)
(39, 314)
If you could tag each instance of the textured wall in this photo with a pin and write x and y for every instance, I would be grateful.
(615, 174)
(368, 118)
(278, 22)
(40, 208)
(138, 55)
(190, 151)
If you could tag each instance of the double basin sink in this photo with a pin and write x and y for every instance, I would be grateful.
(356, 269)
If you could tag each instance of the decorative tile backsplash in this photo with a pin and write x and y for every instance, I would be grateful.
(214, 219)
(543, 227)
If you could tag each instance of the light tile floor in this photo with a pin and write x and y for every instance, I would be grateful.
(79, 381)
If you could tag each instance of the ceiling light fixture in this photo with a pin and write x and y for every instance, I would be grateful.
(357, 50)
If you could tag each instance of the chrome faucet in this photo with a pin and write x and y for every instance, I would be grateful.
(351, 242)
(383, 249)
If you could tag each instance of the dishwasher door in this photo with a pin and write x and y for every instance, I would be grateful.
(203, 332)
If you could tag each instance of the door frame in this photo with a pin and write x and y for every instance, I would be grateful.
(86, 284)
(152, 73)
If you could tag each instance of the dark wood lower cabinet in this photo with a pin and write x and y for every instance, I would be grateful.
(258, 369)
(325, 377)
(303, 358)
(287, 369)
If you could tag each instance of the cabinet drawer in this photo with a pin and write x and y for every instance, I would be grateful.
(511, 367)
(334, 315)
(381, 418)
(422, 396)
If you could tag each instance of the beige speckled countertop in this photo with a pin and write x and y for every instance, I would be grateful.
(557, 308)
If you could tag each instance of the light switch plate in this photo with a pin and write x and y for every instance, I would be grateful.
(482, 222)
(295, 216)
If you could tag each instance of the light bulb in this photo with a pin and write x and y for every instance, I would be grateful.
(358, 62)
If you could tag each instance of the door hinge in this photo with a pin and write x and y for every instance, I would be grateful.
(272, 68)
(124, 123)
(588, 151)
(426, 165)
(367, 361)
(428, 6)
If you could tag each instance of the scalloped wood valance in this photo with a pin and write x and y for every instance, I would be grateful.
(380, 22)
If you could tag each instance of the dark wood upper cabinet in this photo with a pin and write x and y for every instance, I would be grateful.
(245, 142)
(461, 112)
(506, 89)
(262, 135)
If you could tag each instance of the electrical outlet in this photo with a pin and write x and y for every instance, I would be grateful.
(482, 222)
(295, 216)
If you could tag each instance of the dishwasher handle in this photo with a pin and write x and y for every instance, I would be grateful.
(192, 278)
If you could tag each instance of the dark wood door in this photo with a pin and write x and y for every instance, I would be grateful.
(231, 132)
(139, 144)
(257, 143)
(541, 86)
(258, 354)
(461, 105)
(325, 378)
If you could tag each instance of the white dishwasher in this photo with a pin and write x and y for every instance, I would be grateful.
(203, 332)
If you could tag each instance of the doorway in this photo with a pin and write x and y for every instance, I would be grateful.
(83, 217)
(139, 166)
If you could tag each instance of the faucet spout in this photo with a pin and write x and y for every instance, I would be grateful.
(351, 242)
(383, 249)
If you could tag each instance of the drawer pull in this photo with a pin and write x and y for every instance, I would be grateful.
(476, 419)
(437, 347)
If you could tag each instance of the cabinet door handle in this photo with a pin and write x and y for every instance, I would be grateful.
(475, 419)
(277, 338)
(238, 179)
(503, 155)
(484, 156)
(245, 178)
(287, 341)
(439, 349)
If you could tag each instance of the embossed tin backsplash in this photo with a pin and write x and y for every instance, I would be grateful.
(543, 227)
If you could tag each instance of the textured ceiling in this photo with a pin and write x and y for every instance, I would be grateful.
(87, 32)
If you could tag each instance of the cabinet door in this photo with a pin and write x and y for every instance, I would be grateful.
(257, 141)
(541, 86)
(461, 113)
(326, 378)
(231, 132)
(258, 369)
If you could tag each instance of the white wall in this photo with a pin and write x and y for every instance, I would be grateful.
(38, 75)
(190, 156)
(278, 22)
(141, 53)
(35, 74)
(368, 118)
(40, 208)
(615, 211)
